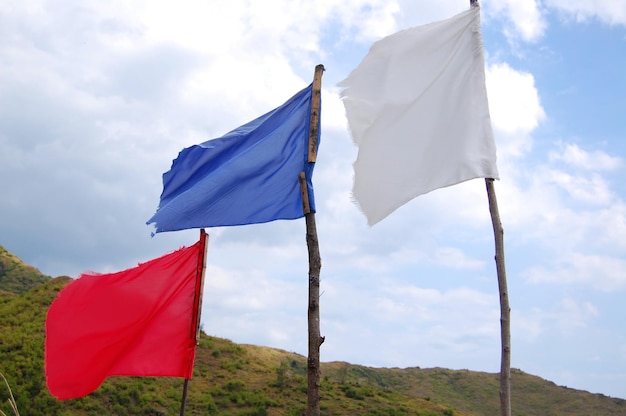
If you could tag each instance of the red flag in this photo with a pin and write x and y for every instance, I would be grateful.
(137, 322)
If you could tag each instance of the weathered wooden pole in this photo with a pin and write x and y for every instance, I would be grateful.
(197, 310)
(315, 262)
(505, 309)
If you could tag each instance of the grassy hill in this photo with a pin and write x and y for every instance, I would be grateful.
(233, 379)
(15, 276)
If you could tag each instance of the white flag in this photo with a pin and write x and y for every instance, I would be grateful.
(418, 112)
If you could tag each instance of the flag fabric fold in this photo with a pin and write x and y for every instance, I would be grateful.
(137, 322)
(417, 110)
(250, 175)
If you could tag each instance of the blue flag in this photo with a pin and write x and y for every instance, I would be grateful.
(248, 176)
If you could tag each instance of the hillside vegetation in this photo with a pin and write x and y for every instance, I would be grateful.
(234, 379)
(15, 276)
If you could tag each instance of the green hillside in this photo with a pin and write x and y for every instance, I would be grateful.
(233, 379)
(15, 276)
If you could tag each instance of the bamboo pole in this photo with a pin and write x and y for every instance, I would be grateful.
(315, 262)
(197, 308)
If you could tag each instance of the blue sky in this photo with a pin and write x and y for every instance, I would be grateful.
(96, 100)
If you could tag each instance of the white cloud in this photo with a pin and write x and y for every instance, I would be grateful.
(461, 322)
(334, 111)
(415, 299)
(528, 21)
(514, 106)
(591, 189)
(456, 258)
(568, 207)
(371, 19)
(608, 11)
(255, 305)
(601, 272)
(421, 12)
(272, 27)
(513, 99)
(564, 318)
(575, 156)
(527, 326)
(572, 315)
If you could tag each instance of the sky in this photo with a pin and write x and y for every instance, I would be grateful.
(97, 99)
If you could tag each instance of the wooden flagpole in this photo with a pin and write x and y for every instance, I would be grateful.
(197, 307)
(315, 262)
(505, 308)
(183, 401)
